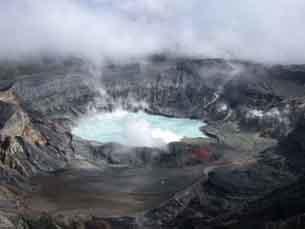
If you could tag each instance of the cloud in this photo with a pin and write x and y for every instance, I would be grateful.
(265, 31)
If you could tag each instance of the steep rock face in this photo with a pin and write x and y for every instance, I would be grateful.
(166, 88)
(65, 94)
(14, 156)
(260, 98)
(15, 124)
(7, 112)
(29, 144)
(269, 98)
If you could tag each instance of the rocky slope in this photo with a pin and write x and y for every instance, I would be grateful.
(268, 99)
(253, 177)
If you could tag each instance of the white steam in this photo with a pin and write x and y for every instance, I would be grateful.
(142, 133)
(258, 30)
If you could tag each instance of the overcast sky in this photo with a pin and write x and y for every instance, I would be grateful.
(260, 30)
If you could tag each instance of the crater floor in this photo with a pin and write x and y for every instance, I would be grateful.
(112, 192)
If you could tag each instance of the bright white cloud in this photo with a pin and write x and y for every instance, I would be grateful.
(259, 30)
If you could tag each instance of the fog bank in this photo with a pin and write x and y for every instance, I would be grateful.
(264, 31)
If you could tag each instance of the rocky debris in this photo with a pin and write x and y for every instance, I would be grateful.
(7, 111)
(282, 208)
(268, 192)
(16, 122)
(5, 223)
(77, 222)
(29, 146)
(14, 156)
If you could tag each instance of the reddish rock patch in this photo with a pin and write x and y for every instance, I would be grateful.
(202, 154)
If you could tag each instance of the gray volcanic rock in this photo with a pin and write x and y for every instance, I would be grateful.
(7, 110)
(30, 144)
(165, 88)
(246, 179)
(64, 94)
(266, 192)
(260, 98)
(175, 155)
(293, 148)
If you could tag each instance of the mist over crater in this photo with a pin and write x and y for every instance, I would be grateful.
(253, 30)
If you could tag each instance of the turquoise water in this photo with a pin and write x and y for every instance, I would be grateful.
(136, 129)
